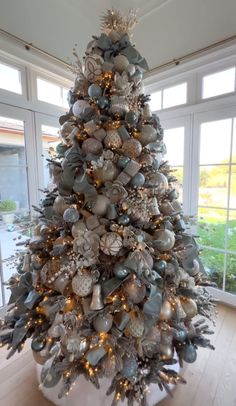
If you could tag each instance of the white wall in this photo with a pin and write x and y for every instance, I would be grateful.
(168, 28)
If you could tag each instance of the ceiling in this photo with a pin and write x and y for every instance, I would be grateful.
(167, 29)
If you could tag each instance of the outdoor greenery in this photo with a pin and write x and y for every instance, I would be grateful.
(7, 205)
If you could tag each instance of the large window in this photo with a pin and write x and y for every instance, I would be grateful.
(10, 78)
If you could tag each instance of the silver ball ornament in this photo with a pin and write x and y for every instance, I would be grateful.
(103, 323)
(164, 240)
(79, 106)
(92, 146)
(71, 215)
(132, 148)
(120, 63)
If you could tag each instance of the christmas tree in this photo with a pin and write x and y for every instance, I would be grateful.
(111, 280)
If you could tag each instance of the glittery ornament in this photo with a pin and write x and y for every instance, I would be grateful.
(92, 146)
(164, 240)
(145, 160)
(132, 148)
(135, 290)
(93, 67)
(79, 106)
(166, 311)
(189, 353)
(120, 63)
(111, 243)
(71, 215)
(130, 366)
(131, 118)
(148, 134)
(135, 327)
(189, 307)
(103, 323)
(112, 140)
(94, 91)
(82, 283)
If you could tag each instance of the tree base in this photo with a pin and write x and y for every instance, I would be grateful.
(85, 394)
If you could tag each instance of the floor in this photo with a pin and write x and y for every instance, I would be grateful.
(211, 380)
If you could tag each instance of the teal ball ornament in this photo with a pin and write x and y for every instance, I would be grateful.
(103, 102)
(138, 180)
(160, 266)
(71, 215)
(131, 118)
(123, 220)
(94, 91)
(123, 161)
(180, 335)
(103, 323)
(120, 270)
(38, 344)
(130, 366)
(189, 353)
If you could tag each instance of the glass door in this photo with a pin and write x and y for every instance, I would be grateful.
(215, 198)
(47, 136)
(18, 174)
(177, 141)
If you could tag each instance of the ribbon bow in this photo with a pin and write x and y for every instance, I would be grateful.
(123, 47)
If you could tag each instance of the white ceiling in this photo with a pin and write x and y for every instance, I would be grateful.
(167, 29)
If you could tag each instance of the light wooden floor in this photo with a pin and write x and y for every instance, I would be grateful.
(211, 379)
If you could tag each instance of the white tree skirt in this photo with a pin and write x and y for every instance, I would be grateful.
(85, 394)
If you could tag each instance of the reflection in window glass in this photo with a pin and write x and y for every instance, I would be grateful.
(211, 227)
(213, 186)
(230, 282)
(10, 79)
(175, 95)
(234, 143)
(213, 262)
(232, 203)
(155, 102)
(219, 83)
(51, 93)
(215, 142)
(50, 139)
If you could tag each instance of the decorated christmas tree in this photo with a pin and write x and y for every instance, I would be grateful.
(111, 280)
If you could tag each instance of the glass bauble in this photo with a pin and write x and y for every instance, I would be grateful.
(164, 240)
(103, 323)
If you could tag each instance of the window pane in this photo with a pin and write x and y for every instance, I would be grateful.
(214, 266)
(230, 282)
(211, 227)
(233, 188)
(155, 102)
(14, 203)
(218, 83)
(234, 143)
(174, 96)
(10, 79)
(231, 243)
(174, 140)
(49, 92)
(50, 139)
(215, 142)
(213, 186)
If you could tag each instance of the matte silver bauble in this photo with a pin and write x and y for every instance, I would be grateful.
(135, 290)
(103, 323)
(71, 215)
(100, 206)
(148, 134)
(120, 63)
(94, 91)
(79, 106)
(164, 240)
(59, 205)
(92, 146)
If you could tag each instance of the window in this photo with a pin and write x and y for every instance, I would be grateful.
(174, 141)
(174, 96)
(169, 97)
(217, 201)
(50, 139)
(10, 78)
(14, 200)
(218, 83)
(52, 93)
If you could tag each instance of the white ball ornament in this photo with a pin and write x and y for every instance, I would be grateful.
(111, 243)
(120, 63)
(79, 106)
(164, 240)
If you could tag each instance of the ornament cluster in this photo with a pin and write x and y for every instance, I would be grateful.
(111, 280)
